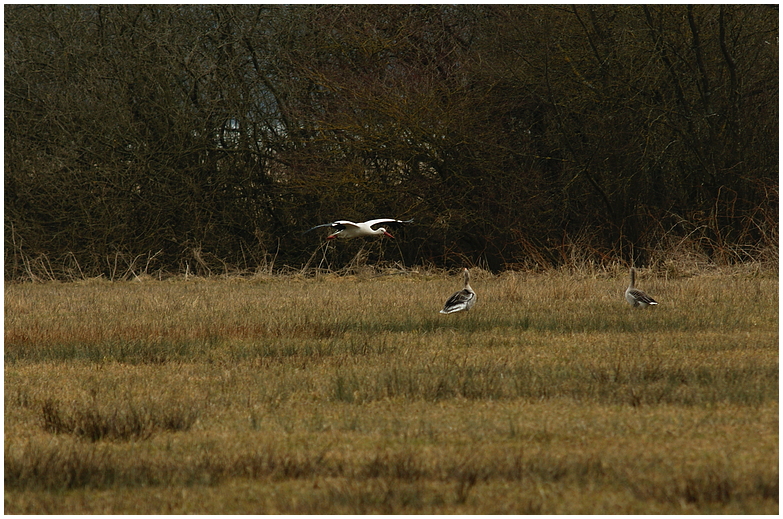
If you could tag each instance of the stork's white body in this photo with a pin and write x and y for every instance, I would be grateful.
(346, 229)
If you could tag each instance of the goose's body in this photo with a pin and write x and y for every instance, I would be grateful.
(461, 300)
(346, 229)
(636, 297)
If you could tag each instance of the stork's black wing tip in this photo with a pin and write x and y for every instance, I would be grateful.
(316, 227)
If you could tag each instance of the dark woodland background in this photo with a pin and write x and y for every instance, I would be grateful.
(161, 139)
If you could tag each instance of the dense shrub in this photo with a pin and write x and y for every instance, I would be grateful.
(149, 139)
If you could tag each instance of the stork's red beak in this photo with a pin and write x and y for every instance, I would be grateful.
(387, 234)
(331, 237)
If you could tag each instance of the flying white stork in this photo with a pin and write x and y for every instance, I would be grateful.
(636, 297)
(346, 229)
(461, 300)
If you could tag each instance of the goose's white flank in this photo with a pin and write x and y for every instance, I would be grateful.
(346, 229)
(636, 297)
(461, 300)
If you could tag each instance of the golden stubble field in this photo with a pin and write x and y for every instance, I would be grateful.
(327, 394)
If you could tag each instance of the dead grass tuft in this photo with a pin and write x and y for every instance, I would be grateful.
(101, 422)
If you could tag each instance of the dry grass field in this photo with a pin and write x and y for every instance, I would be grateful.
(352, 394)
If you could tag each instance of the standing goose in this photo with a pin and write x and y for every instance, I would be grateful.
(635, 296)
(461, 300)
(346, 229)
